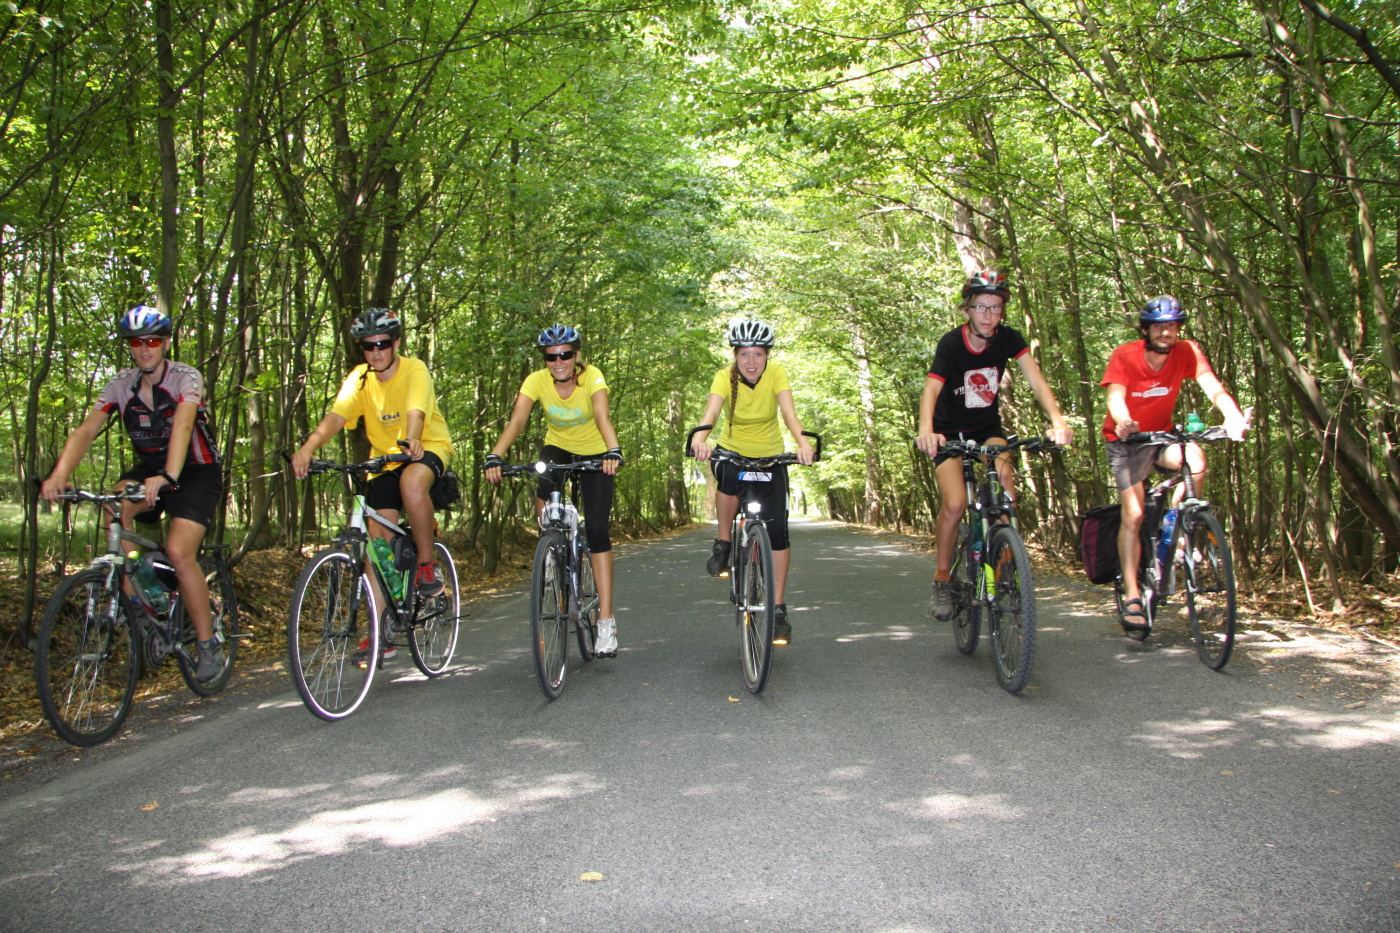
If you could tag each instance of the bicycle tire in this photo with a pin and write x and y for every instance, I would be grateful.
(755, 609)
(332, 611)
(549, 614)
(223, 605)
(432, 636)
(586, 629)
(86, 662)
(1011, 621)
(1210, 588)
(967, 613)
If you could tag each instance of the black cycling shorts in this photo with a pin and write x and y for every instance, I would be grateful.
(201, 490)
(596, 491)
(382, 492)
(772, 497)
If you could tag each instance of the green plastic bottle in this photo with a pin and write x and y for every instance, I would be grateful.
(383, 556)
(1194, 423)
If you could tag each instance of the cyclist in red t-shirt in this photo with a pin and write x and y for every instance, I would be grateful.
(1143, 379)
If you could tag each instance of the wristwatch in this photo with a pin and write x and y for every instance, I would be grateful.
(174, 483)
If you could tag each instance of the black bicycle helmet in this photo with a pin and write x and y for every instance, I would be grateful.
(144, 321)
(376, 321)
(556, 335)
(1161, 310)
(986, 282)
(749, 332)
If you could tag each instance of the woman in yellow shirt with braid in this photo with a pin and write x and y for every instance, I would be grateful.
(753, 392)
(574, 397)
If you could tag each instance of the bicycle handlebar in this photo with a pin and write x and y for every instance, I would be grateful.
(132, 492)
(541, 467)
(1032, 445)
(730, 455)
(369, 466)
(1178, 436)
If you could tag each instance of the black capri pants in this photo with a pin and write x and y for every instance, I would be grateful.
(595, 489)
(772, 497)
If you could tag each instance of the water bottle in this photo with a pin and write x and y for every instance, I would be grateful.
(1165, 543)
(153, 594)
(1194, 423)
(383, 556)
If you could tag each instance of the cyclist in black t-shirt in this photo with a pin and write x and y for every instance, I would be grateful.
(961, 399)
(161, 404)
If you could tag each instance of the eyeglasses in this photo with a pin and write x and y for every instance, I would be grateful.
(986, 309)
(562, 355)
(135, 342)
(368, 345)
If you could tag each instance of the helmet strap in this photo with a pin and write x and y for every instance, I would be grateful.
(393, 361)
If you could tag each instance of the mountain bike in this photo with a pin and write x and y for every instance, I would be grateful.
(991, 567)
(751, 559)
(336, 605)
(95, 637)
(562, 588)
(1190, 540)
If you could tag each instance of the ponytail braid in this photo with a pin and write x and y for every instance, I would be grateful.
(733, 392)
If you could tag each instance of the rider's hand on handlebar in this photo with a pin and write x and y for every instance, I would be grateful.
(1060, 436)
(1235, 427)
(492, 466)
(301, 464)
(1125, 428)
(930, 443)
(52, 488)
(411, 446)
(805, 454)
(701, 450)
(153, 486)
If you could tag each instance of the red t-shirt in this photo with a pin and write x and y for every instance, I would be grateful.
(1152, 392)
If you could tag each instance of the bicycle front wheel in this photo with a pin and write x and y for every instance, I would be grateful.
(549, 613)
(1011, 624)
(1210, 588)
(85, 662)
(223, 606)
(587, 626)
(755, 608)
(332, 614)
(967, 612)
(433, 635)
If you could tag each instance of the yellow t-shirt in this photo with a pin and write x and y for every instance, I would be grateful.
(572, 426)
(385, 407)
(753, 431)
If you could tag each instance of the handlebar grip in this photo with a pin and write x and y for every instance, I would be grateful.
(812, 434)
(691, 436)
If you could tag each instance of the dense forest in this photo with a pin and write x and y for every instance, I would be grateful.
(264, 169)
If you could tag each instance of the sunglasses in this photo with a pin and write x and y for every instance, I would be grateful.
(562, 355)
(368, 345)
(135, 342)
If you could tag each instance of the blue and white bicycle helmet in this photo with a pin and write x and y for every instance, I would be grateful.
(376, 321)
(749, 332)
(144, 321)
(1161, 310)
(557, 335)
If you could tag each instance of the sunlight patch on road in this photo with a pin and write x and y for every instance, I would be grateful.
(1334, 731)
(948, 807)
(401, 823)
(894, 633)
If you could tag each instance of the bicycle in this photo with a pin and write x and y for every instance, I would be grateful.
(751, 559)
(336, 605)
(1191, 538)
(95, 638)
(991, 566)
(562, 587)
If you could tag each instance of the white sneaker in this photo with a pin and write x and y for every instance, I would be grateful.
(606, 644)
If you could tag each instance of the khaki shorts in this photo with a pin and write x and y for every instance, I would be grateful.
(1130, 464)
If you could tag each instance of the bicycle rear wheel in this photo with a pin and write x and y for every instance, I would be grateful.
(967, 612)
(432, 637)
(549, 614)
(1210, 588)
(223, 605)
(1011, 623)
(587, 626)
(755, 608)
(332, 611)
(86, 663)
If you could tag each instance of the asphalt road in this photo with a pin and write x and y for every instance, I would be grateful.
(883, 783)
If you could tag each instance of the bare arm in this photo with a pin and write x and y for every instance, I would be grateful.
(603, 419)
(1118, 410)
(519, 417)
(1060, 431)
(698, 445)
(926, 440)
(327, 429)
(76, 447)
(805, 454)
(1236, 421)
(181, 427)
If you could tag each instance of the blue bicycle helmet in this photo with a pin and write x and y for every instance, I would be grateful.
(376, 321)
(557, 335)
(1161, 310)
(144, 321)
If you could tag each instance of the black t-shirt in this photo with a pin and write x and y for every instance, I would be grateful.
(968, 400)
